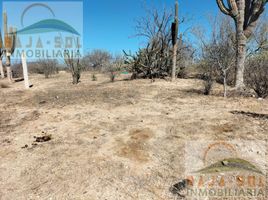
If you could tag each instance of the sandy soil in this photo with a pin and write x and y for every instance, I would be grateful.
(122, 140)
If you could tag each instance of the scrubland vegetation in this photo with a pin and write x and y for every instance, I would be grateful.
(108, 126)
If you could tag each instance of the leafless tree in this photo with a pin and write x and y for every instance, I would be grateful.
(259, 39)
(256, 71)
(246, 14)
(97, 59)
(218, 52)
(155, 59)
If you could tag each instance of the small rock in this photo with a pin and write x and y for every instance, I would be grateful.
(25, 146)
(180, 187)
(6, 141)
(240, 179)
(42, 102)
(43, 138)
(225, 163)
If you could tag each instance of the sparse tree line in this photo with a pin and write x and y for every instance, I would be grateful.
(233, 54)
(97, 61)
(226, 56)
(103, 61)
(218, 59)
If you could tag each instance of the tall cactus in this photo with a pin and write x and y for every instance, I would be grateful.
(9, 43)
(74, 65)
(174, 32)
(246, 14)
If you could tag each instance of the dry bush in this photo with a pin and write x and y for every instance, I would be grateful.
(115, 68)
(182, 72)
(208, 83)
(17, 70)
(48, 67)
(94, 77)
(256, 70)
(155, 59)
(256, 74)
(96, 60)
(208, 77)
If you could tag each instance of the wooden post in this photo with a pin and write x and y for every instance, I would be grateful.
(8, 46)
(2, 69)
(1, 56)
(25, 71)
(174, 62)
(8, 67)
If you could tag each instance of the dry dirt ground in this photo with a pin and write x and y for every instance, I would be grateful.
(121, 140)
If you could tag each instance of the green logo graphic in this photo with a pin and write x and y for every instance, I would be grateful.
(46, 25)
(230, 164)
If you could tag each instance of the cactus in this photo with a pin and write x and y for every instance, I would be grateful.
(174, 32)
(246, 14)
(94, 77)
(175, 24)
(10, 36)
(74, 65)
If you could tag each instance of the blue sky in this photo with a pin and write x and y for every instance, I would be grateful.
(109, 24)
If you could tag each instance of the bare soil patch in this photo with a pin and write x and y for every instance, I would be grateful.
(135, 147)
(121, 140)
